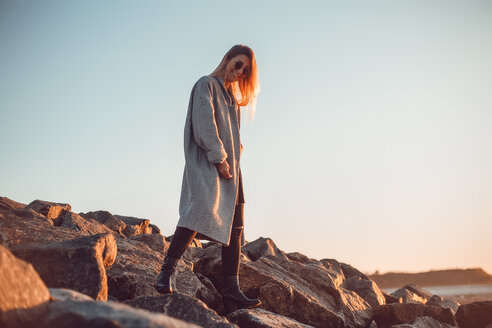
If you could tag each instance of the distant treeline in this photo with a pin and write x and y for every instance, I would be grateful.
(433, 278)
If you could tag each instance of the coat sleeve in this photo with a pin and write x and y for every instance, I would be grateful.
(204, 126)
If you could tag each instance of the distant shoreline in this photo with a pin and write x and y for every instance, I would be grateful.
(451, 277)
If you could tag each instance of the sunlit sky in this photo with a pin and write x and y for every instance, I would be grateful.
(371, 144)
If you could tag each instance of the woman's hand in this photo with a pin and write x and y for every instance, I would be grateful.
(223, 169)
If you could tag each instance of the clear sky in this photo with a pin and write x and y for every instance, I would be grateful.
(371, 144)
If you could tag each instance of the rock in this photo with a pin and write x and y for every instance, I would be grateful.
(155, 229)
(22, 290)
(424, 322)
(77, 264)
(476, 315)
(131, 230)
(259, 318)
(84, 226)
(63, 294)
(352, 279)
(25, 226)
(437, 300)
(136, 268)
(135, 226)
(304, 292)
(182, 307)
(412, 294)
(106, 218)
(7, 204)
(49, 209)
(79, 313)
(262, 247)
(390, 299)
(298, 257)
(367, 289)
(156, 242)
(388, 315)
(210, 295)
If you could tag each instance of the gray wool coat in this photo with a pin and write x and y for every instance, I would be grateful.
(211, 135)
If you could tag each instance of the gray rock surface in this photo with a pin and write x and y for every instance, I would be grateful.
(475, 315)
(425, 322)
(156, 242)
(183, 307)
(262, 247)
(24, 226)
(63, 294)
(437, 300)
(78, 264)
(135, 226)
(106, 218)
(412, 294)
(84, 226)
(298, 257)
(389, 315)
(259, 318)
(356, 281)
(7, 204)
(49, 209)
(391, 299)
(21, 292)
(77, 313)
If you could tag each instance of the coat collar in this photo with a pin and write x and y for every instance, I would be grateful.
(232, 100)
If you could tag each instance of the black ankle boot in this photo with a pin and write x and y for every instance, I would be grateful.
(234, 298)
(163, 285)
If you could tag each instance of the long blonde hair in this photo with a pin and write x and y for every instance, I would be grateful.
(246, 90)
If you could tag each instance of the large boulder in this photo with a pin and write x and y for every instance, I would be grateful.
(391, 299)
(412, 294)
(365, 288)
(298, 257)
(7, 204)
(25, 226)
(182, 307)
(84, 226)
(389, 315)
(78, 264)
(156, 242)
(424, 322)
(49, 209)
(306, 292)
(259, 318)
(356, 281)
(135, 226)
(262, 247)
(437, 300)
(475, 315)
(22, 292)
(73, 310)
(106, 218)
(63, 294)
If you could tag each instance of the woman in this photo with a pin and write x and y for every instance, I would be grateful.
(212, 200)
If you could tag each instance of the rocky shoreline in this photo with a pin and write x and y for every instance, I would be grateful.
(63, 269)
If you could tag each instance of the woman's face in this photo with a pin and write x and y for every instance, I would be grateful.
(237, 68)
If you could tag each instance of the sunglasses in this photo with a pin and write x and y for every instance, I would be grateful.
(240, 64)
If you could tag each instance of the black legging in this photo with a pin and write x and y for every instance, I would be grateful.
(230, 254)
